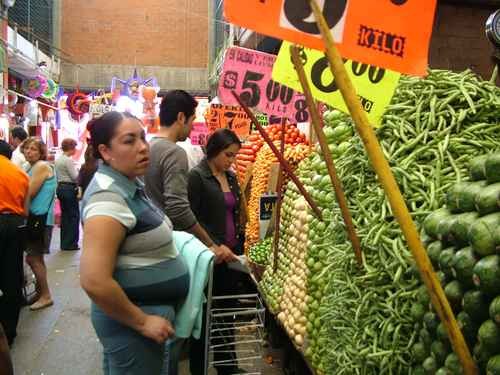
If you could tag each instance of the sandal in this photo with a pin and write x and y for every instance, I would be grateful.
(38, 305)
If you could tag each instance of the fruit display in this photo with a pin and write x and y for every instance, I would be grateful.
(362, 321)
(259, 253)
(265, 159)
(466, 256)
(250, 148)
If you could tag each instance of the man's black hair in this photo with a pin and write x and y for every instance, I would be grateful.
(175, 102)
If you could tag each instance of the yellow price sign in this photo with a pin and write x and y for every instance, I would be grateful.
(375, 86)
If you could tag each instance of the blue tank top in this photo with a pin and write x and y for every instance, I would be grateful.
(43, 203)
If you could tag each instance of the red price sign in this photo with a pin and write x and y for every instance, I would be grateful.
(249, 73)
(392, 34)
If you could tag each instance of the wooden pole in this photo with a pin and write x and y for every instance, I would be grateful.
(330, 165)
(279, 190)
(396, 200)
(280, 158)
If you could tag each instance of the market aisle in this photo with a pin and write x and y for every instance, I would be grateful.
(59, 339)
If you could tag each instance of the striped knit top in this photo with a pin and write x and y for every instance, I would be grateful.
(148, 246)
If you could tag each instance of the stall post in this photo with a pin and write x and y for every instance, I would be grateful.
(330, 165)
(279, 192)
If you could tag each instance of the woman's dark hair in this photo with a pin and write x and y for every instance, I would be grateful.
(42, 147)
(175, 102)
(90, 163)
(68, 144)
(102, 129)
(219, 141)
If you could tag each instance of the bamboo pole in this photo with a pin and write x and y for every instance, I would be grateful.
(279, 198)
(330, 165)
(280, 158)
(382, 168)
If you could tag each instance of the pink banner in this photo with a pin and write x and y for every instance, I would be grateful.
(249, 73)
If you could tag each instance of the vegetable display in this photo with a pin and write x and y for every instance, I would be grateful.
(262, 167)
(295, 291)
(365, 321)
(471, 270)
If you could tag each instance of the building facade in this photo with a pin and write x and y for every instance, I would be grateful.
(167, 39)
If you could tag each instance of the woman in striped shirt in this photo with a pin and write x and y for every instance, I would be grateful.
(130, 267)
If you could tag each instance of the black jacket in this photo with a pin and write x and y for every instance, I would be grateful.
(209, 206)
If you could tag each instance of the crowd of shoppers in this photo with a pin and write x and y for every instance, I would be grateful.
(135, 195)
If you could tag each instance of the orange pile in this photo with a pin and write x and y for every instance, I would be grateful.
(249, 150)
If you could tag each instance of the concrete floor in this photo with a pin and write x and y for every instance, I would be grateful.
(60, 340)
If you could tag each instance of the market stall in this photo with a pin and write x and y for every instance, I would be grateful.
(380, 315)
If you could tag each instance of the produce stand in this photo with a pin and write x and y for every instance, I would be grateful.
(403, 307)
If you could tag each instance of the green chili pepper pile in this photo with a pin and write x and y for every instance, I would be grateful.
(429, 134)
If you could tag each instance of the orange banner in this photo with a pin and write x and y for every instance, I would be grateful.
(392, 34)
(226, 116)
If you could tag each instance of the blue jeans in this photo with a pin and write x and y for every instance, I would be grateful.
(70, 216)
(126, 351)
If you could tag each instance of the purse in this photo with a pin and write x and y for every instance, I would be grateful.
(36, 225)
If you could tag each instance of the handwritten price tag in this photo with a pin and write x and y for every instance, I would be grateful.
(199, 134)
(249, 73)
(226, 116)
(375, 86)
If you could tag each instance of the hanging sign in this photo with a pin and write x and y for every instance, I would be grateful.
(375, 86)
(249, 73)
(393, 34)
(98, 109)
(267, 204)
(230, 117)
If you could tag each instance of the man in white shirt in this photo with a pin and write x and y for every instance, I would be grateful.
(194, 152)
(17, 136)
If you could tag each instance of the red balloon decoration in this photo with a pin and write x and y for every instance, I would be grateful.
(77, 104)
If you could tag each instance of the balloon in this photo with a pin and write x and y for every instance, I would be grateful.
(35, 87)
(77, 104)
(148, 93)
(51, 90)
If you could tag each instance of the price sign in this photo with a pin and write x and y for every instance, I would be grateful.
(199, 134)
(393, 34)
(226, 116)
(375, 86)
(249, 73)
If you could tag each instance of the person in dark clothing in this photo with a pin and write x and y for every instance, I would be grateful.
(67, 193)
(215, 199)
(6, 367)
(14, 201)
